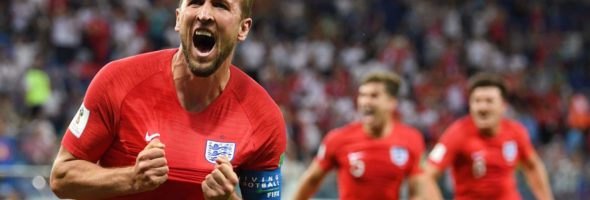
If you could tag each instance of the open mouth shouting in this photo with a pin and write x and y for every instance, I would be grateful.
(368, 114)
(204, 42)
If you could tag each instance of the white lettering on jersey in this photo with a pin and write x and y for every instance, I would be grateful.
(357, 166)
(479, 164)
(79, 122)
(438, 153)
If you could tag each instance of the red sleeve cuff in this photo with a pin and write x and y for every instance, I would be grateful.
(71, 146)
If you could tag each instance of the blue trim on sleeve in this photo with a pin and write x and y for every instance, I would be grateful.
(261, 184)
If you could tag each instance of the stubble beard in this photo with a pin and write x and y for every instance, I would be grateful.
(201, 70)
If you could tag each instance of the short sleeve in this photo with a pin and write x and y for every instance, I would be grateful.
(326, 155)
(417, 154)
(260, 177)
(90, 132)
(444, 152)
(272, 137)
(525, 147)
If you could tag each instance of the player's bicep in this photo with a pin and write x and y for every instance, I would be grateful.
(90, 132)
(260, 184)
(525, 147)
(87, 137)
(270, 143)
(63, 155)
(326, 155)
(531, 161)
(441, 155)
(418, 155)
(324, 158)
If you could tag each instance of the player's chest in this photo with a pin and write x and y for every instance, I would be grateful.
(386, 160)
(193, 140)
(489, 156)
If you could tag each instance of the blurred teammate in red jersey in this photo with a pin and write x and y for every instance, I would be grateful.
(372, 156)
(484, 149)
(179, 123)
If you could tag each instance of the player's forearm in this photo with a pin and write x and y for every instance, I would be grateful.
(415, 183)
(418, 187)
(79, 179)
(538, 181)
(305, 191)
(308, 186)
(430, 189)
(310, 182)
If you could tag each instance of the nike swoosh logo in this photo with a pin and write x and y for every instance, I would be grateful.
(149, 137)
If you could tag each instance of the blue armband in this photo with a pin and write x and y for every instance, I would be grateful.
(261, 184)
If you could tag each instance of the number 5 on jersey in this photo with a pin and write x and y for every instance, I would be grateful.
(357, 166)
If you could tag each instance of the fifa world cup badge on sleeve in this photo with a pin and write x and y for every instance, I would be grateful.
(261, 184)
(79, 122)
(437, 153)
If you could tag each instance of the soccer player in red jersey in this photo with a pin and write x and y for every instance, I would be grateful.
(373, 156)
(484, 149)
(177, 124)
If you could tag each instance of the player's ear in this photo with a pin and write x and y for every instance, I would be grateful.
(177, 23)
(393, 102)
(245, 26)
(504, 106)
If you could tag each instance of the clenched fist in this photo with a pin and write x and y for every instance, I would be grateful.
(221, 182)
(151, 167)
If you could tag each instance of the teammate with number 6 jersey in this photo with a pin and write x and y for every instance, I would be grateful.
(373, 156)
(484, 149)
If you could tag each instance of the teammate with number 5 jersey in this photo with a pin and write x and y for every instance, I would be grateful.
(484, 149)
(373, 156)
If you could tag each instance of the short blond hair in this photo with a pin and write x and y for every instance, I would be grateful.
(389, 79)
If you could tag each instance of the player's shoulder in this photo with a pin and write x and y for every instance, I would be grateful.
(344, 132)
(244, 84)
(408, 130)
(256, 102)
(463, 124)
(459, 130)
(513, 126)
(142, 63)
(411, 136)
(135, 68)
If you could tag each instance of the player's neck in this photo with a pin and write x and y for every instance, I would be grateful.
(379, 131)
(489, 132)
(196, 93)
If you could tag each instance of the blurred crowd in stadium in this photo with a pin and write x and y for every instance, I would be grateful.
(309, 55)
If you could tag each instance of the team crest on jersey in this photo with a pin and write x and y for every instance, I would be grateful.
(215, 149)
(509, 151)
(399, 155)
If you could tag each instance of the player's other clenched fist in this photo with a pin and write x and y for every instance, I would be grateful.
(221, 182)
(151, 167)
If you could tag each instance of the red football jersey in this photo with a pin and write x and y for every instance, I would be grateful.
(132, 100)
(371, 168)
(482, 167)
